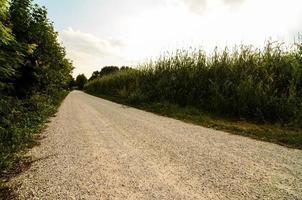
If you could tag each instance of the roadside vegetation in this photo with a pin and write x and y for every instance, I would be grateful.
(80, 81)
(34, 76)
(248, 91)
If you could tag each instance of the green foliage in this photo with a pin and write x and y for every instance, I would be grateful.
(34, 74)
(80, 81)
(261, 85)
(105, 71)
(20, 119)
(9, 56)
(45, 67)
(21, 18)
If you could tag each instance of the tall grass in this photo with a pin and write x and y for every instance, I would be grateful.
(262, 85)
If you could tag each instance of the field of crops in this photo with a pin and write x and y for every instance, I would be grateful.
(261, 85)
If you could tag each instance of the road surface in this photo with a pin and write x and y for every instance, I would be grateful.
(96, 149)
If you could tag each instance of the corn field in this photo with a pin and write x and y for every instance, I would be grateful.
(263, 85)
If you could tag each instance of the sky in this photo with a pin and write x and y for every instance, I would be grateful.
(99, 33)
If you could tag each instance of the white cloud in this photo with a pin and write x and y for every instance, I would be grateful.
(233, 2)
(86, 43)
(202, 6)
(197, 6)
(90, 52)
(253, 22)
(181, 23)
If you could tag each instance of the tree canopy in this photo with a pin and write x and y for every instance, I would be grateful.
(107, 71)
(80, 81)
(34, 72)
(31, 58)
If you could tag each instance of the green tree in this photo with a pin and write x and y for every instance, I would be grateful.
(20, 17)
(108, 70)
(34, 73)
(94, 75)
(71, 83)
(10, 58)
(81, 80)
(49, 56)
(45, 67)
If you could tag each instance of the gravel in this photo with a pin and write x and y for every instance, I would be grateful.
(96, 149)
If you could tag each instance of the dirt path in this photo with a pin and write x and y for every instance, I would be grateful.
(96, 149)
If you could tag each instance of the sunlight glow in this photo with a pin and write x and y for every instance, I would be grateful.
(145, 29)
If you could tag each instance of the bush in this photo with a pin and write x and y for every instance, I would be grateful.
(33, 68)
(21, 119)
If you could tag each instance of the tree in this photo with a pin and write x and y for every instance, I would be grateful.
(20, 17)
(104, 72)
(81, 80)
(34, 73)
(124, 68)
(94, 75)
(45, 67)
(10, 58)
(71, 83)
(108, 70)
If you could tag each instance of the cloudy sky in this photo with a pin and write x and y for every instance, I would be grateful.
(97, 33)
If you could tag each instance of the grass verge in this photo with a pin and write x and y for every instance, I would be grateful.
(23, 123)
(286, 136)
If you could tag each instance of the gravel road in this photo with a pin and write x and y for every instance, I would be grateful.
(96, 149)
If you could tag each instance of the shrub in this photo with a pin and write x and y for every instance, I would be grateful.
(21, 119)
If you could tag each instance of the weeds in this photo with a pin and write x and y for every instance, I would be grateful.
(20, 120)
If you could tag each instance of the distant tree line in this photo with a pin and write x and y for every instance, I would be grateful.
(34, 72)
(81, 79)
(107, 71)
